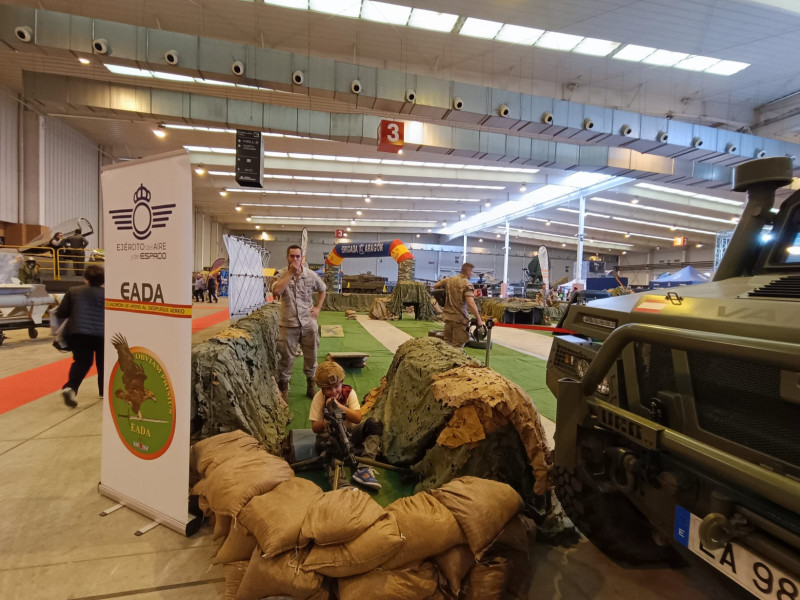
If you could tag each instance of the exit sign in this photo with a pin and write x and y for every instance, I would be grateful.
(680, 241)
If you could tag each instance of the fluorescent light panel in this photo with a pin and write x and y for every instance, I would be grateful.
(303, 4)
(665, 211)
(432, 20)
(361, 208)
(668, 190)
(515, 34)
(697, 63)
(480, 28)
(341, 8)
(634, 53)
(558, 41)
(727, 67)
(381, 12)
(595, 47)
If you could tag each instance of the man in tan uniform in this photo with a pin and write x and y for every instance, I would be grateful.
(460, 297)
(298, 323)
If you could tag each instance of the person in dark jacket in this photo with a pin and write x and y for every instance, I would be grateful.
(84, 306)
(212, 289)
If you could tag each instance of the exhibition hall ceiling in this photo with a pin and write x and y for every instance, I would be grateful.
(326, 184)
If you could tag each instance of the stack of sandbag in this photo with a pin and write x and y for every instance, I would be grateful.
(281, 536)
(258, 507)
(350, 314)
(454, 544)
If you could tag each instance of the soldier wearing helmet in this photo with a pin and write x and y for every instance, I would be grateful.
(365, 435)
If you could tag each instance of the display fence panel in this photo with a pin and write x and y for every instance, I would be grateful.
(246, 283)
(9, 160)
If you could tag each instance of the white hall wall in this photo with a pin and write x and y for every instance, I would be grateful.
(208, 242)
(9, 159)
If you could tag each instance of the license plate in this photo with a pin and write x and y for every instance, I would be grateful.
(757, 575)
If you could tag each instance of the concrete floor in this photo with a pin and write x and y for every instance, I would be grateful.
(54, 545)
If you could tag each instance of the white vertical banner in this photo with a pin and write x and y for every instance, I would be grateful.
(544, 265)
(147, 209)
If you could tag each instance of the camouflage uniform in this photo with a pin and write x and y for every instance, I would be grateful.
(456, 319)
(297, 324)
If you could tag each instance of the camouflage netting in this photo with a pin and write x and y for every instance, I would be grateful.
(447, 416)
(380, 311)
(330, 276)
(341, 302)
(620, 291)
(406, 292)
(496, 307)
(406, 270)
(233, 381)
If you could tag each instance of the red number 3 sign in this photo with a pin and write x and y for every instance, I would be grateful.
(390, 136)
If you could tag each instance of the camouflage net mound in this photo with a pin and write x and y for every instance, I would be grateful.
(234, 385)
(448, 416)
(407, 292)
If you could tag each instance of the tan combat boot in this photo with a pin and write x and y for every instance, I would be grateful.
(283, 386)
(311, 387)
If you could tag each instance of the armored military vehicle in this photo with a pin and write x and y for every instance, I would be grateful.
(678, 421)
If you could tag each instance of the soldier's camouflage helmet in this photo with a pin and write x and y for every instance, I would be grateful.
(328, 373)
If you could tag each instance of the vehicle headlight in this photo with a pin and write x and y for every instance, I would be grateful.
(581, 367)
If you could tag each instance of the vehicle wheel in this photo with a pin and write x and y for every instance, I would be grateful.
(609, 520)
(33, 333)
(477, 345)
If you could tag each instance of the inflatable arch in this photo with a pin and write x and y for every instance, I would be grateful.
(396, 249)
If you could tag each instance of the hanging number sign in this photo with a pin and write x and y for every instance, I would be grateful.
(390, 136)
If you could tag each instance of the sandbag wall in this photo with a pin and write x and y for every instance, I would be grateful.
(282, 536)
(234, 384)
(447, 416)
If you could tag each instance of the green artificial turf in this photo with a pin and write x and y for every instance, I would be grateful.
(356, 339)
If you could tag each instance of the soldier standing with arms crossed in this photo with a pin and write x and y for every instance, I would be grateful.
(295, 286)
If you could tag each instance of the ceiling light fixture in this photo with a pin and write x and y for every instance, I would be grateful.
(523, 188)
(348, 229)
(462, 215)
(480, 28)
(248, 219)
(352, 222)
(429, 230)
(340, 8)
(258, 226)
(359, 213)
(367, 199)
(378, 180)
(487, 204)
(595, 47)
(432, 20)
(664, 58)
(381, 12)
(480, 240)
(498, 235)
(84, 61)
(417, 235)
(635, 201)
(634, 53)
(698, 245)
(515, 34)
(159, 133)
(558, 41)
(238, 209)
(200, 170)
(223, 193)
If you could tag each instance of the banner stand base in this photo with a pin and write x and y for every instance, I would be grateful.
(187, 528)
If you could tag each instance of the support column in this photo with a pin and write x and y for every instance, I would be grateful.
(464, 258)
(34, 164)
(581, 218)
(504, 293)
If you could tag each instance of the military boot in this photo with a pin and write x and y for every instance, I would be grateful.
(283, 386)
(311, 388)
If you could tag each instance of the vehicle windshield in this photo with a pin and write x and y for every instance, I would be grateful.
(77, 226)
(784, 246)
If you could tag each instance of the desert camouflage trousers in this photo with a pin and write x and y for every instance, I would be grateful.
(288, 338)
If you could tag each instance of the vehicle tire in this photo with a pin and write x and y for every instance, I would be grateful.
(33, 333)
(609, 520)
(477, 345)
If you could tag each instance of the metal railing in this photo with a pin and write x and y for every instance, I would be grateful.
(51, 263)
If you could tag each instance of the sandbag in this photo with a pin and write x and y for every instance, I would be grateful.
(222, 527)
(453, 565)
(429, 528)
(275, 518)
(211, 452)
(234, 573)
(239, 545)
(278, 576)
(339, 516)
(481, 506)
(241, 479)
(415, 582)
(518, 535)
(363, 554)
(487, 581)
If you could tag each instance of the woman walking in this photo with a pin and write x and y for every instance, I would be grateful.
(84, 306)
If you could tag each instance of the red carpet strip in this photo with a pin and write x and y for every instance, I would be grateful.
(24, 387)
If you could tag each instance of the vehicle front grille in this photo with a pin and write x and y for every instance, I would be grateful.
(565, 360)
(654, 371)
(741, 402)
(785, 287)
